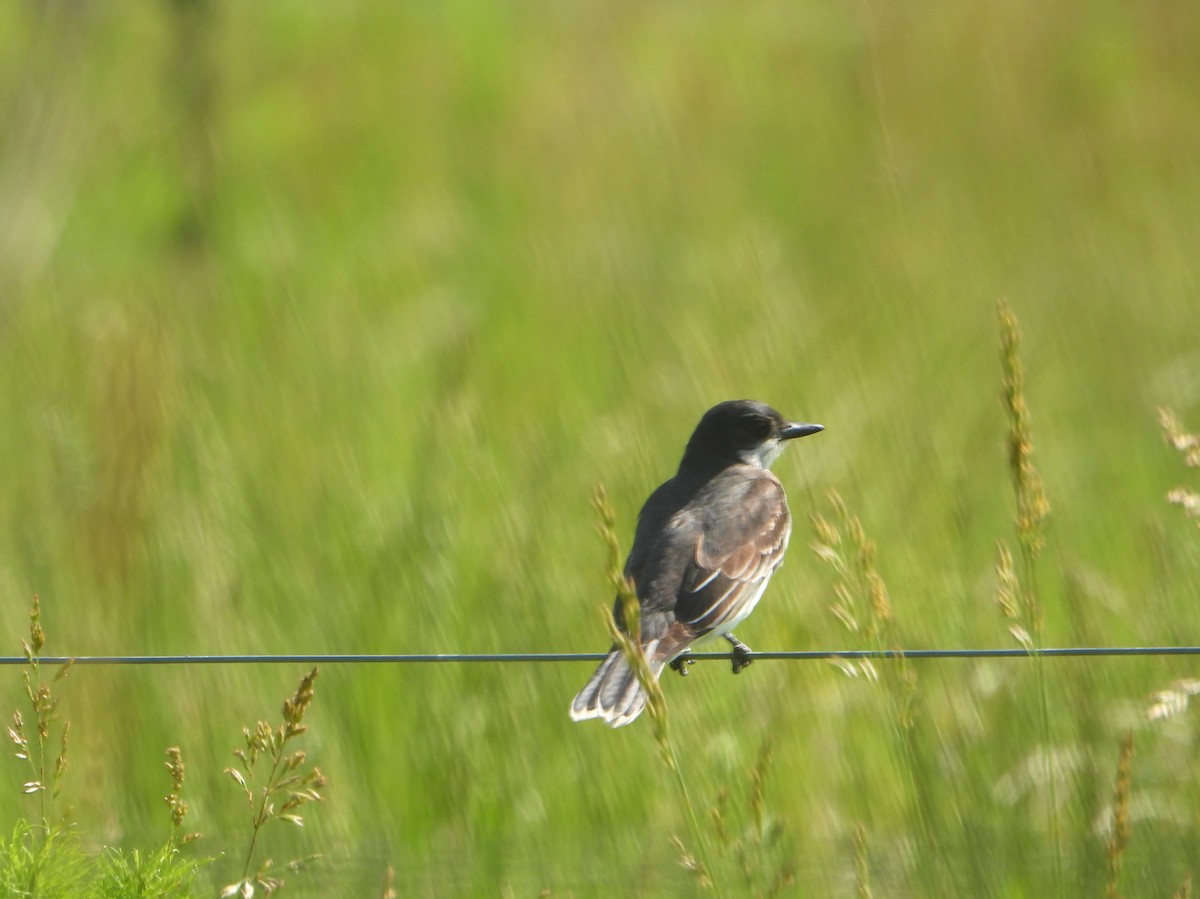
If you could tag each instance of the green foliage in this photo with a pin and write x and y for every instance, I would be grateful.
(36, 865)
(41, 865)
(162, 873)
(44, 860)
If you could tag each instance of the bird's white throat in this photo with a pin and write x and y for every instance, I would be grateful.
(763, 455)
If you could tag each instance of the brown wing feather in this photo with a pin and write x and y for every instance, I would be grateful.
(737, 553)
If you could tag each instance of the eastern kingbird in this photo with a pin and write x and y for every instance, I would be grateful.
(707, 543)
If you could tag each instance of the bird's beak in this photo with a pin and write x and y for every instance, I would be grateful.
(799, 429)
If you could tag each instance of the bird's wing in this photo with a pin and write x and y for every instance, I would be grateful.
(739, 548)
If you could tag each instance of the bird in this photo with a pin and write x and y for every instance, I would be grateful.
(706, 544)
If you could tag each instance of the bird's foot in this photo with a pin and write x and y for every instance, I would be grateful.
(741, 654)
(682, 663)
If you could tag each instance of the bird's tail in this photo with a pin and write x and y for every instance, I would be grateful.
(613, 694)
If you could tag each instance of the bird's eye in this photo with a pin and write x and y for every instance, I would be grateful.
(757, 427)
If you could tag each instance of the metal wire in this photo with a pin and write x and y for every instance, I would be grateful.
(505, 657)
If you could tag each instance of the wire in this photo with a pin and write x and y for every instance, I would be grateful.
(505, 657)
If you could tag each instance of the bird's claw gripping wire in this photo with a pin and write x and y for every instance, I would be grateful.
(741, 654)
(682, 663)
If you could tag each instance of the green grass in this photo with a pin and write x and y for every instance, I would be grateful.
(319, 325)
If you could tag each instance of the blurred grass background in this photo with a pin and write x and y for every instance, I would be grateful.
(319, 322)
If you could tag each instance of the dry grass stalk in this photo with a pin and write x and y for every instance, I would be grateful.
(286, 783)
(45, 777)
(1032, 510)
(748, 836)
(1188, 445)
(861, 600)
(758, 780)
(1014, 603)
(1185, 891)
(174, 798)
(1032, 505)
(1174, 700)
(862, 875)
(389, 885)
(1118, 840)
(628, 640)
(689, 862)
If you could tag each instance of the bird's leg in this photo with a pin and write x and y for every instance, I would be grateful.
(682, 662)
(740, 655)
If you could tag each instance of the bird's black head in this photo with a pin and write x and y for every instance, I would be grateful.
(742, 431)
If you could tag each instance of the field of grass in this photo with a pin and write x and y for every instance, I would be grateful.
(320, 322)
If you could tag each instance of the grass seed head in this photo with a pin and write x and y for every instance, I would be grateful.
(1118, 840)
(1186, 443)
(1032, 505)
